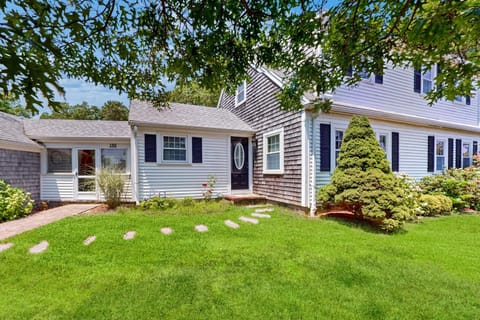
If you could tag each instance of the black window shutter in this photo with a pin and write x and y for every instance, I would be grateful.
(349, 71)
(439, 71)
(475, 148)
(450, 153)
(325, 150)
(197, 153)
(417, 80)
(431, 154)
(467, 100)
(395, 152)
(458, 153)
(150, 148)
(379, 78)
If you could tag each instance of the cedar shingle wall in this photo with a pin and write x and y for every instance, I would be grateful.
(262, 112)
(21, 169)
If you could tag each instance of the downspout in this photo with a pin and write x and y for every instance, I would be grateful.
(312, 167)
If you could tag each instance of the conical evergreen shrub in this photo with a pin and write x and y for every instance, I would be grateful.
(363, 181)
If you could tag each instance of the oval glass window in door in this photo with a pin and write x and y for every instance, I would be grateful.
(239, 156)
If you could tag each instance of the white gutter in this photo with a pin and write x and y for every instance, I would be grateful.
(312, 191)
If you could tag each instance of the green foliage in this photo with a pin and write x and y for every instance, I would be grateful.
(188, 201)
(112, 185)
(74, 112)
(10, 105)
(14, 202)
(462, 186)
(436, 204)
(363, 181)
(114, 110)
(159, 203)
(193, 93)
(131, 46)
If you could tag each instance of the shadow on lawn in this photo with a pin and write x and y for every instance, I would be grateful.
(356, 222)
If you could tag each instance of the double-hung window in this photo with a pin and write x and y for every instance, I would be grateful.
(427, 80)
(241, 94)
(273, 152)
(174, 149)
(440, 154)
(338, 143)
(466, 155)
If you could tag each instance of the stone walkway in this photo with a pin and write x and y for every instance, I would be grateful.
(12, 228)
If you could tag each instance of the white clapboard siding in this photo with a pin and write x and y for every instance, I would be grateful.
(413, 141)
(396, 95)
(57, 187)
(185, 180)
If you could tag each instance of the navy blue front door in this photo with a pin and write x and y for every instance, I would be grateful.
(239, 163)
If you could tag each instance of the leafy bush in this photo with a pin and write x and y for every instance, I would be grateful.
(436, 204)
(158, 202)
(363, 182)
(188, 202)
(111, 184)
(14, 202)
(462, 186)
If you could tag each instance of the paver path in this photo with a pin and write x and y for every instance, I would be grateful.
(89, 240)
(166, 230)
(231, 224)
(249, 220)
(201, 228)
(39, 248)
(129, 235)
(12, 228)
(261, 215)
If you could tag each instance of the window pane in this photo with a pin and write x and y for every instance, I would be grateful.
(440, 163)
(382, 140)
(273, 143)
(427, 86)
(240, 93)
(114, 159)
(338, 139)
(466, 150)
(440, 148)
(364, 74)
(174, 155)
(273, 161)
(86, 162)
(59, 160)
(86, 185)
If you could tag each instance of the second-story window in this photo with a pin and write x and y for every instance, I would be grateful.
(423, 79)
(241, 94)
(427, 80)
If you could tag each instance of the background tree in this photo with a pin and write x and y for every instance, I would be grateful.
(114, 110)
(193, 93)
(81, 111)
(132, 46)
(10, 105)
(363, 181)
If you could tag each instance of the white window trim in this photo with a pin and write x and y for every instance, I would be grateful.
(265, 148)
(445, 154)
(470, 150)
(433, 70)
(239, 103)
(333, 145)
(388, 143)
(187, 148)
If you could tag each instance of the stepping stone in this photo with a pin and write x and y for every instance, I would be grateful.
(129, 235)
(231, 224)
(264, 210)
(166, 231)
(89, 240)
(260, 215)
(5, 246)
(201, 228)
(39, 248)
(249, 220)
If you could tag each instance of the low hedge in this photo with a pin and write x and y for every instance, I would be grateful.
(14, 202)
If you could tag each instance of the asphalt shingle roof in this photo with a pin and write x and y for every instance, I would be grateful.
(186, 115)
(50, 128)
(11, 130)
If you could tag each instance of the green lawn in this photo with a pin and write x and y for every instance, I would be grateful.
(286, 267)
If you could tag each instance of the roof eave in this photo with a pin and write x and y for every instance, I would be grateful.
(183, 127)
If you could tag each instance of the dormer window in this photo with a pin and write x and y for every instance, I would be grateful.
(241, 95)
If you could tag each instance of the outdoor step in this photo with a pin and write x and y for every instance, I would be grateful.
(201, 228)
(166, 231)
(39, 248)
(248, 220)
(260, 215)
(129, 235)
(253, 206)
(231, 224)
(5, 246)
(89, 240)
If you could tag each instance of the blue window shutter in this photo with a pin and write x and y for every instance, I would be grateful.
(150, 148)
(458, 153)
(475, 148)
(395, 152)
(417, 80)
(439, 71)
(467, 100)
(350, 71)
(325, 147)
(450, 153)
(197, 153)
(431, 154)
(379, 78)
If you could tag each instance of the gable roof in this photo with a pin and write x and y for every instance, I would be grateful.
(45, 129)
(186, 115)
(11, 131)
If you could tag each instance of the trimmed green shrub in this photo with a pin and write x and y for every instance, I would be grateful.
(111, 184)
(14, 202)
(436, 204)
(363, 182)
(462, 186)
(158, 202)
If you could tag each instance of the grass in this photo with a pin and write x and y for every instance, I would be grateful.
(285, 267)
